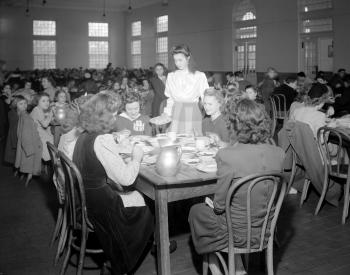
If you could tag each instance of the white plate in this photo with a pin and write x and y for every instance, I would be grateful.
(140, 138)
(149, 159)
(207, 153)
(207, 168)
(193, 161)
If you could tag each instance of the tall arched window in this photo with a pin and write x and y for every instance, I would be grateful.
(244, 37)
(316, 36)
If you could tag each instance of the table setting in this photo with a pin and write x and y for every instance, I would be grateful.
(168, 152)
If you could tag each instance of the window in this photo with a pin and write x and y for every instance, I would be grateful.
(162, 23)
(98, 29)
(136, 28)
(245, 11)
(317, 25)
(312, 5)
(98, 45)
(162, 40)
(44, 28)
(244, 52)
(162, 50)
(247, 32)
(98, 54)
(44, 48)
(136, 53)
(44, 52)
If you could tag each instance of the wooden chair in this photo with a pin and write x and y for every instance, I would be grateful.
(335, 168)
(61, 221)
(295, 164)
(279, 110)
(79, 226)
(273, 208)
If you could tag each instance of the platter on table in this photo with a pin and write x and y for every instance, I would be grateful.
(160, 120)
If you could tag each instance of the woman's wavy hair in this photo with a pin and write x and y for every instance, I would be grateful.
(97, 115)
(247, 122)
(185, 50)
(61, 91)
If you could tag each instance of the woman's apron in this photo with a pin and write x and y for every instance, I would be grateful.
(186, 118)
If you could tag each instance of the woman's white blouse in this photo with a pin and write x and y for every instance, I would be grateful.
(184, 87)
(107, 152)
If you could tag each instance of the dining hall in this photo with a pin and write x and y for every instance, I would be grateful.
(183, 137)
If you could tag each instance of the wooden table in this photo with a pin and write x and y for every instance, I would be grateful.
(188, 183)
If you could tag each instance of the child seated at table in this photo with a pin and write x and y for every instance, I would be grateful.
(131, 119)
(250, 92)
(214, 125)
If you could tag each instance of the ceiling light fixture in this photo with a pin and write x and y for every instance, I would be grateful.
(129, 8)
(27, 8)
(104, 8)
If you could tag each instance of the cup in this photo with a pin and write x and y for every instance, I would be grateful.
(202, 142)
(171, 135)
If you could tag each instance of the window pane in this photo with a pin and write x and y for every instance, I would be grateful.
(98, 47)
(247, 32)
(162, 45)
(311, 5)
(44, 47)
(136, 28)
(98, 61)
(98, 29)
(136, 47)
(98, 54)
(44, 61)
(162, 23)
(136, 61)
(41, 27)
(245, 11)
(163, 58)
(317, 25)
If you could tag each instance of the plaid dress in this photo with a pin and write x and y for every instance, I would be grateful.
(184, 89)
(187, 118)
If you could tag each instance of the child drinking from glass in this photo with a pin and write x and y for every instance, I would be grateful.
(214, 125)
(131, 119)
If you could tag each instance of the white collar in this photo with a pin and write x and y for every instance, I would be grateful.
(125, 115)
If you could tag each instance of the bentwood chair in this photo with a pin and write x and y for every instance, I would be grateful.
(61, 221)
(268, 221)
(334, 145)
(279, 110)
(295, 164)
(79, 226)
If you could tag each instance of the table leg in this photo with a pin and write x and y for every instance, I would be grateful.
(162, 232)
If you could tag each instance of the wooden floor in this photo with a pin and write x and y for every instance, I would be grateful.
(308, 244)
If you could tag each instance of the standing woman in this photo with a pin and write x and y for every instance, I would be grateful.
(48, 84)
(184, 87)
(158, 83)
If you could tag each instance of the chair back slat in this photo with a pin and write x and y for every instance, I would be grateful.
(274, 202)
(57, 171)
(333, 150)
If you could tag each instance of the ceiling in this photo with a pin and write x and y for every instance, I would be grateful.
(115, 5)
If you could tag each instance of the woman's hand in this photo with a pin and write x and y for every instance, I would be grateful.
(137, 153)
